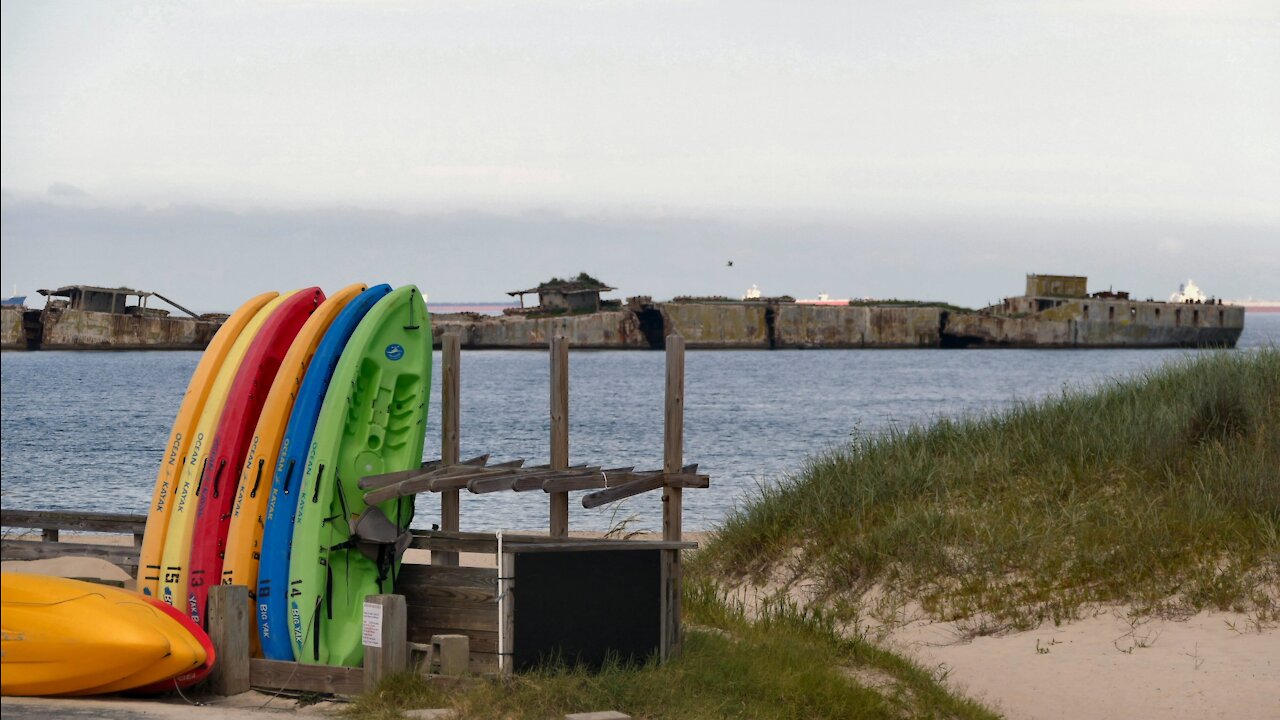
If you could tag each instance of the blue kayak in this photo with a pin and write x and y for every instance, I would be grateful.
(277, 534)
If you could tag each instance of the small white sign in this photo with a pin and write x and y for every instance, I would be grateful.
(372, 625)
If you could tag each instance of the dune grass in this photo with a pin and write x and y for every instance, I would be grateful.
(1161, 492)
(784, 664)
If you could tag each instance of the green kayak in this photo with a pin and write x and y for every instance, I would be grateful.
(373, 421)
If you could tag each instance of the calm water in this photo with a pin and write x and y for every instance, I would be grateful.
(85, 431)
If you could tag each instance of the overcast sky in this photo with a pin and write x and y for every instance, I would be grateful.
(909, 149)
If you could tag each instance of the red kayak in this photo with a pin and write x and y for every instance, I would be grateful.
(191, 677)
(230, 444)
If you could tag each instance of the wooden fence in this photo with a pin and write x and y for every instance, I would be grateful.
(503, 627)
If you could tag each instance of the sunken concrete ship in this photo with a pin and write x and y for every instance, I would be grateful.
(87, 317)
(1056, 311)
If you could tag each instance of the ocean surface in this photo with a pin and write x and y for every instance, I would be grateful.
(86, 430)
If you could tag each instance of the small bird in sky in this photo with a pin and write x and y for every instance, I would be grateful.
(729, 264)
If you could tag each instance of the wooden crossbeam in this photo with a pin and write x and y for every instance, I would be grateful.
(419, 480)
(496, 481)
(374, 482)
(587, 482)
(511, 475)
(619, 492)
(688, 480)
(639, 483)
(534, 481)
(462, 476)
(531, 477)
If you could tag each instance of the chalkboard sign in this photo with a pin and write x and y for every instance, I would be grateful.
(582, 607)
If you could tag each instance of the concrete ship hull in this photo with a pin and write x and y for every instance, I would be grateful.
(775, 325)
(1098, 323)
(1084, 323)
(68, 329)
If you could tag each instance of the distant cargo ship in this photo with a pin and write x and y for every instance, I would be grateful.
(1189, 292)
(1257, 306)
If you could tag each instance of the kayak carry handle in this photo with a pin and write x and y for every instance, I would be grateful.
(315, 496)
(253, 491)
(217, 477)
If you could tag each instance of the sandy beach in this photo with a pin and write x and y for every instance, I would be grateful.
(1213, 665)
(1104, 667)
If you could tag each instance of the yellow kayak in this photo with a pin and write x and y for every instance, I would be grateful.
(65, 637)
(244, 538)
(180, 439)
(176, 556)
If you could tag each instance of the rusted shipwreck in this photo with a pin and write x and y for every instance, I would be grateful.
(88, 317)
(1055, 312)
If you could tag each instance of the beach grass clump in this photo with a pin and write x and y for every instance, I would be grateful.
(785, 663)
(1160, 492)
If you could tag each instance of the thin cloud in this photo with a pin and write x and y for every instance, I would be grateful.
(210, 258)
(67, 191)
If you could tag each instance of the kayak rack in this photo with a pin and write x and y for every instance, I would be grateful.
(583, 600)
(586, 569)
(449, 475)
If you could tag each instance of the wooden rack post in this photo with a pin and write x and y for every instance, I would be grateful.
(559, 432)
(450, 444)
(673, 439)
(229, 631)
(672, 496)
(391, 653)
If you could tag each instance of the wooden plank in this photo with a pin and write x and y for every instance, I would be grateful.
(535, 477)
(460, 479)
(450, 435)
(480, 617)
(687, 480)
(124, 556)
(626, 485)
(444, 543)
(414, 575)
(229, 631)
(559, 501)
(672, 496)
(450, 398)
(673, 438)
(84, 522)
(485, 663)
(276, 675)
(421, 480)
(619, 545)
(391, 653)
(620, 492)
(436, 540)
(588, 478)
(500, 480)
(570, 484)
(374, 482)
(506, 612)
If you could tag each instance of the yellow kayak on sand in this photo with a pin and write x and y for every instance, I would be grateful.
(179, 444)
(68, 637)
(176, 557)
